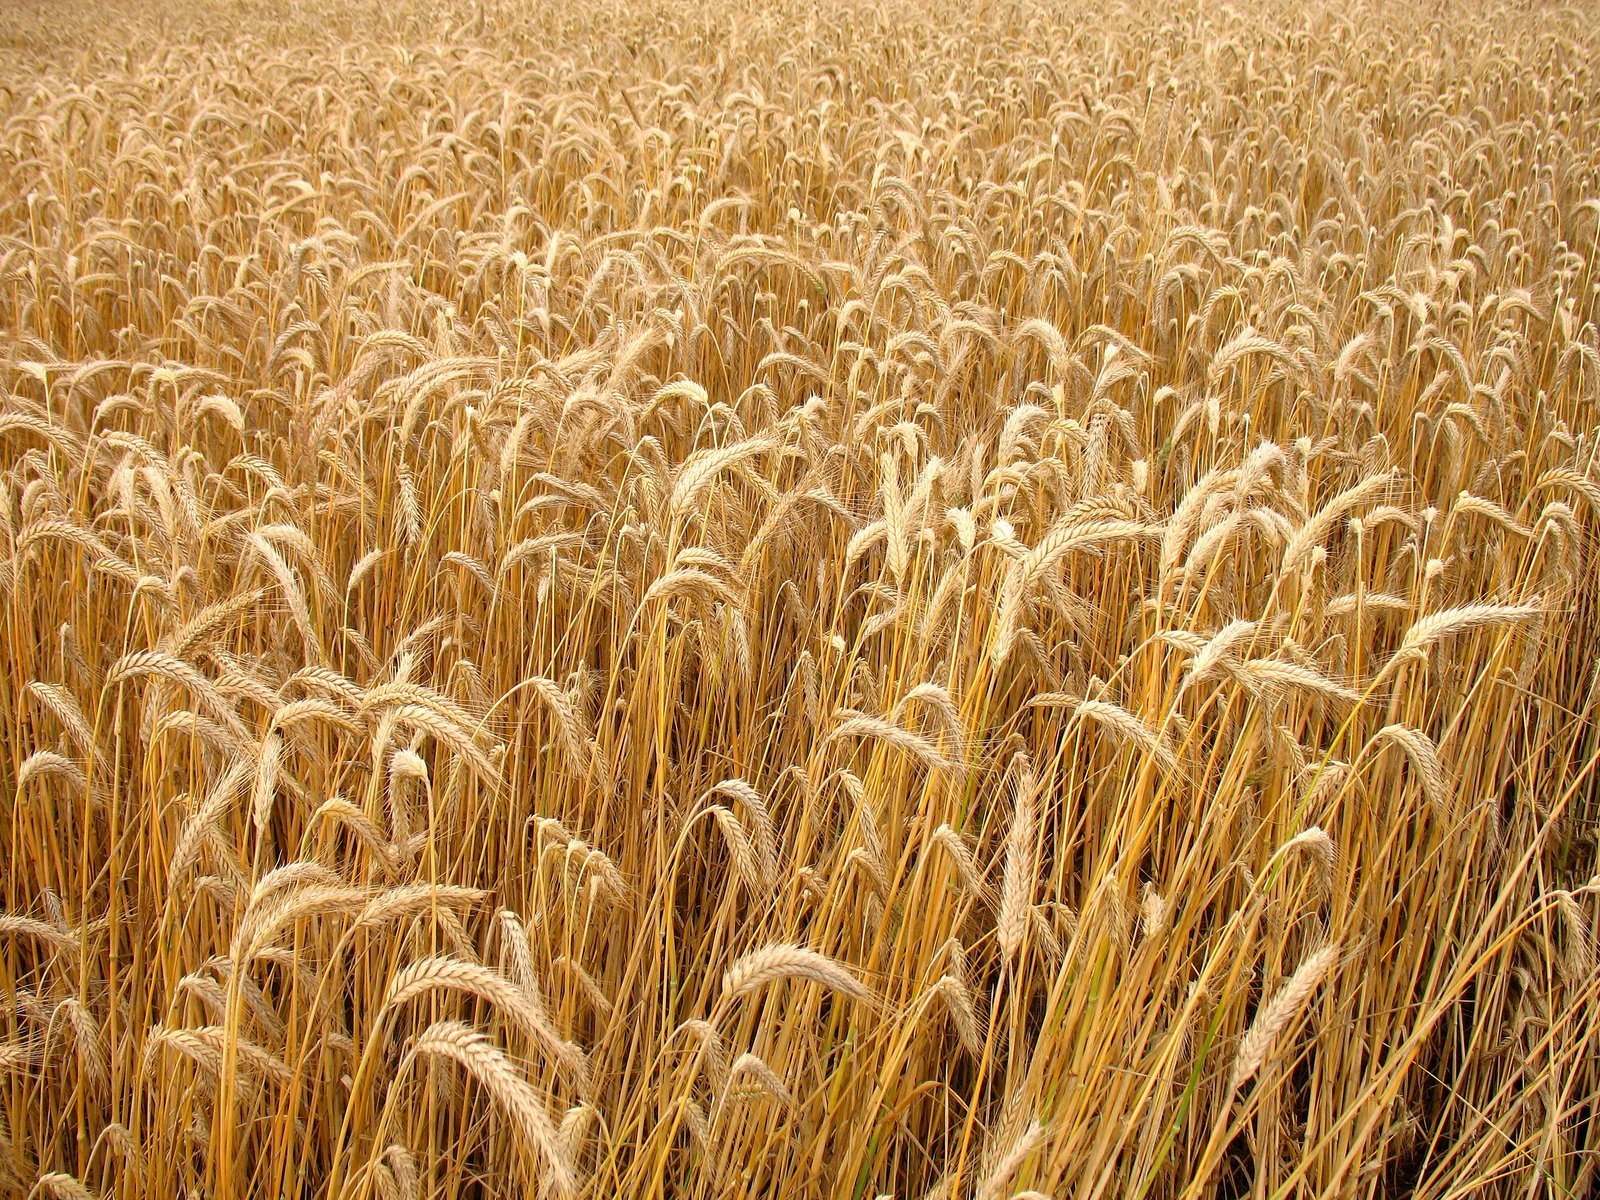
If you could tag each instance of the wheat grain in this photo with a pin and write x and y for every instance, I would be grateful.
(770, 964)
(1276, 1014)
(1018, 876)
(516, 1003)
(494, 1072)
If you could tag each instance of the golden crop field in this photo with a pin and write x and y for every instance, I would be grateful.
(853, 599)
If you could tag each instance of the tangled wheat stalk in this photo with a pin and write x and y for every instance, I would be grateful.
(889, 599)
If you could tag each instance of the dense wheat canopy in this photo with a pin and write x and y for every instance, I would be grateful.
(874, 598)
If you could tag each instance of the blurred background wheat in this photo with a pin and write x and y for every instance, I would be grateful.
(857, 599)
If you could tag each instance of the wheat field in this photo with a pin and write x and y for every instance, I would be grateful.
(862, 599)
